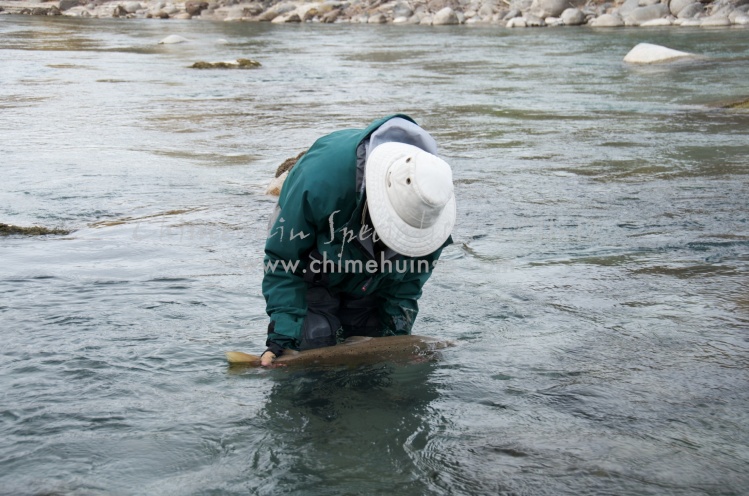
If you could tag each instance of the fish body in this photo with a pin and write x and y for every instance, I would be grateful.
(356, 350)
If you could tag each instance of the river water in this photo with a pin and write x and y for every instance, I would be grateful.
(597, 287)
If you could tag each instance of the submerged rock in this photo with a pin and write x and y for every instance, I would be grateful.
(647, 53)
(231, 64)
(742, 104)
(172, 39)
(9, 230)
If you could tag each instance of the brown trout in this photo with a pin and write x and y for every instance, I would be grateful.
(356, 350)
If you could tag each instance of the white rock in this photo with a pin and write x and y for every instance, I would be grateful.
(628, 6)
(607, 21)
(720, 9)
(573, 17)
(647, 53)
(691, 11)
(173, 38)
(516, 22)
(549, 8)
(553, 21)
(534, 22)
(657, 22)
(77, 11)
(132, 7)
(287, 17)
(644, 14)
(445, 16)
(487, 9)
(715, 22)
(676, 6)
(741, 20)
(690, 22)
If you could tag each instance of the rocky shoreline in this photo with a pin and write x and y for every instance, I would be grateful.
(504, 13)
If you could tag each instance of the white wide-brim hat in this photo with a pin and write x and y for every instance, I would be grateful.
(410, 198)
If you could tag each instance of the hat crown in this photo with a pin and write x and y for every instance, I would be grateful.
(419, 185)
(410, 198)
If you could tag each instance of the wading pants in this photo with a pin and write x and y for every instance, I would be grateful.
(333, 317)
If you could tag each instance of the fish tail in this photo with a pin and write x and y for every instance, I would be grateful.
(243, 358)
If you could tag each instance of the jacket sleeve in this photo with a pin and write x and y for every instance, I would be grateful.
(398, 300)
(318, 187)
(290, 239)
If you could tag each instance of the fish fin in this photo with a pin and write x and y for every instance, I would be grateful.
(239, 357)
(356, 340)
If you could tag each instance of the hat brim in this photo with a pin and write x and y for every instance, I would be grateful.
(398, 235)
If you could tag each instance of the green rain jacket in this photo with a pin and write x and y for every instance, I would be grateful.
(320, 211)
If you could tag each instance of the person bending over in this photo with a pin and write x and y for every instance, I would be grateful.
(360, 223)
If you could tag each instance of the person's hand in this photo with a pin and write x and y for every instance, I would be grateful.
(266, 359)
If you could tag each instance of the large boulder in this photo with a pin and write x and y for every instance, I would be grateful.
(691, 11)
(628, 6)
(132, 7)
(532, 21)
(644, 14)
(69, 4)
(516, 22)
(676, 6)
(444, 17)
(195, 7)
(664, 21)
(521, 5)
(548, 8)
(377, 18)
(715, 22)
(573, 17)
(276, 10)
(402, 9)
(721, 8)
(487, 9)
(647, 53)
(437, 5)
(607, 21)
